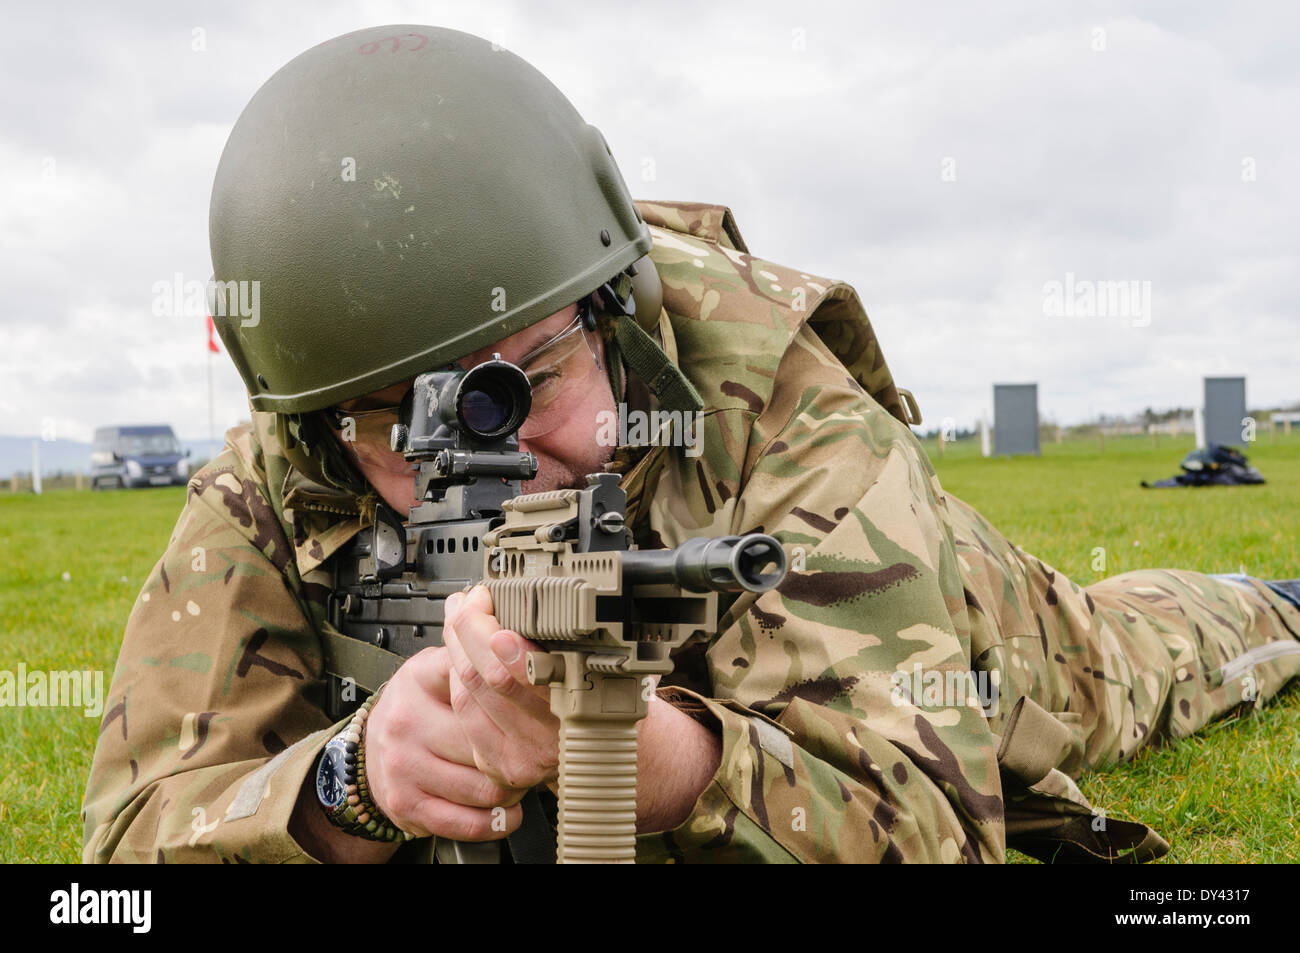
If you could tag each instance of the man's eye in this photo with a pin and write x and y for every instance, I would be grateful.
(540, 379)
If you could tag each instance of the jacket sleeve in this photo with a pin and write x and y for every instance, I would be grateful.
(213, 718)
(827, 756)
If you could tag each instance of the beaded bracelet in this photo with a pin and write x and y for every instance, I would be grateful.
(358, 814)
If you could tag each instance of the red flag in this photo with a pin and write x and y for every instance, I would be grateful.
(212, 341)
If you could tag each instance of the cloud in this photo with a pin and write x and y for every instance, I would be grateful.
(946, 160)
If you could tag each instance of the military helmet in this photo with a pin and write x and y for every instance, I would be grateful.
(398, 197)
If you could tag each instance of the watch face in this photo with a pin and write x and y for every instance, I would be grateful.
(329, 776)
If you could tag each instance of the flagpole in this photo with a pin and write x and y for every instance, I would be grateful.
(212, 430)
(212, 427)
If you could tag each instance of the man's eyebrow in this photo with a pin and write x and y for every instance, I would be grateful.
(537, 341)
(532, 343)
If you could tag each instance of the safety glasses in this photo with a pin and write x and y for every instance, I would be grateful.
(558, 371)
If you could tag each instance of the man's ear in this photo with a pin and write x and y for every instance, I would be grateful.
(615, 369)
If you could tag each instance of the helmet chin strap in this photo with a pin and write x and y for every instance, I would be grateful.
(632, 346)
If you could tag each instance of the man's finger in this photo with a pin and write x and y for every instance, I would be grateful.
(511, 650)
(431, 668)
(442, 818)
(464, 785)
(469, 637)
(520, 756)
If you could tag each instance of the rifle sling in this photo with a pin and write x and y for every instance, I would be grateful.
(367, 665)
(534, 842)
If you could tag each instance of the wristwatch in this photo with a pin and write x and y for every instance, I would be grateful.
(341, 784)
(334, 776)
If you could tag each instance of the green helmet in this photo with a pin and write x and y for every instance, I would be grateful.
(396, 198)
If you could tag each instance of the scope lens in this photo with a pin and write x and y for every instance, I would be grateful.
(484, 411)
(493, 400)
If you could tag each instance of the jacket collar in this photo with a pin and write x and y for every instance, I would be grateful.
(323, 519)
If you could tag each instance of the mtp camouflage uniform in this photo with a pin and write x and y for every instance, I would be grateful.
(834, 746)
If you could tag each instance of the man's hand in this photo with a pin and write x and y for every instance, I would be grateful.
(420, 763)
(515, 738)
(507, 722)
(459, 731)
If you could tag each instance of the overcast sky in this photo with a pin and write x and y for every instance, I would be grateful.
(950, 160)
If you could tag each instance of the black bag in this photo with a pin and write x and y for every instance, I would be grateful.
(1214, 465)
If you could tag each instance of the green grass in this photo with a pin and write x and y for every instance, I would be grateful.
(1228, 795)
(107, 543)
(1231, 794)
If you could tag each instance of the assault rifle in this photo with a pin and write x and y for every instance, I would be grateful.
(562, 572)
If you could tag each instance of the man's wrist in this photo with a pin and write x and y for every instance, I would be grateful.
(678, 757)
(322, 841)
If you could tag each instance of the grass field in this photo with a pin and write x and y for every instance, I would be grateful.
(106, 543)
(1229, 795)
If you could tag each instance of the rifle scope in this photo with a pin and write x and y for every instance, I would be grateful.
(491, 400)
(485, 404)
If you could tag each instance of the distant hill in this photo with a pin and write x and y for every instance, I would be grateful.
(65, 456)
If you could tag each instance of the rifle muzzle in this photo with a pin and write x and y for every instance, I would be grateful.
(754, 562)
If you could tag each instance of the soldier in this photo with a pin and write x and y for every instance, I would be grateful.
(409, 197)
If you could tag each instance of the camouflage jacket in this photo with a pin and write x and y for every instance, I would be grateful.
(215, 715)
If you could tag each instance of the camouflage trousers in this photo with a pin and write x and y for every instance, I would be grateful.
(1107, 669)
